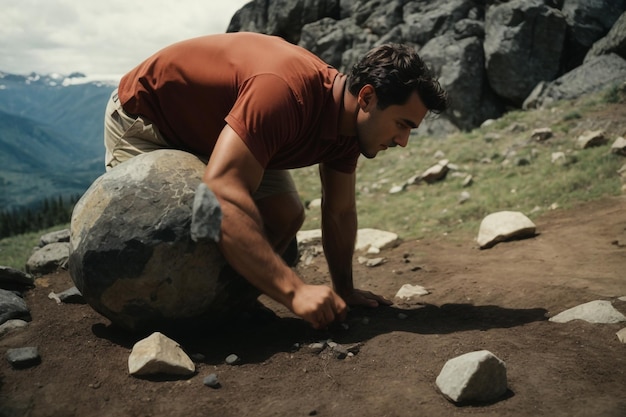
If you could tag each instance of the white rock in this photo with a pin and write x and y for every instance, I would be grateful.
(306, 237)
(315, 203)
(504, 225)
(591, 139)
(367, 238)
(621, 335)
(397, 189)
(599, 311)
(408, 291)
(374, 262)
(158, 354)
(370, 240)
(541, 134)
(436, 172)
(474, 376)
(619, 146)
(10, 325)
(558, 158)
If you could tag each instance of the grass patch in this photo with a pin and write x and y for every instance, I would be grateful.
(15, 250)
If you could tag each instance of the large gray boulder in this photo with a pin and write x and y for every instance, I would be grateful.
(523, 46)
(590, 20)
(594, 75)
(132, 256)
(613, 42)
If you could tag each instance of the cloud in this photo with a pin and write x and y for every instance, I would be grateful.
(100, 37)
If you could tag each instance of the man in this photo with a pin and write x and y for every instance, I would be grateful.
(256, 106)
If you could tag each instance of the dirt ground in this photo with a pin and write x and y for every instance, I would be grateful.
(497, 299)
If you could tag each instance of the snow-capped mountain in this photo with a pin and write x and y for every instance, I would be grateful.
(51, 129)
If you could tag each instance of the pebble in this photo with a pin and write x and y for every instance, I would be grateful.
(25, 357)
(232, 359)
(197, 357)
(402, 316)
(71, 296)
(316, 348)
(11, 325)
(211, 381)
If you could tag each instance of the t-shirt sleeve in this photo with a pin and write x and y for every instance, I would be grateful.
(266, 115)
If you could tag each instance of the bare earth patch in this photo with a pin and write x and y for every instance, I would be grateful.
(497, 299)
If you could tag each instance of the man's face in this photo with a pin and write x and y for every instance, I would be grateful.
(378, 129)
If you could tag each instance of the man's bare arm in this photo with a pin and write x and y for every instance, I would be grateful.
(233, 173)
(339, 229)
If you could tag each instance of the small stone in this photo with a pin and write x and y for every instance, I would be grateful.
(232, 359)
(365, 320)
(474, 376)
(25, 357)
(502, 226)
(55, 297)
(54, 237)
(316, 348)
(621, 335)
(591, 139)
(619, 146)
(375, 262)
(11, 325)
(211, 381)
(197, 357)
(402, 316)
(599, 311)
(408, 292)
(158, 354)
(71, 296)
(340, 352)
(541, 134)
(13, 279)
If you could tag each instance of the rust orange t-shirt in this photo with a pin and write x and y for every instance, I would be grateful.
(278, 97)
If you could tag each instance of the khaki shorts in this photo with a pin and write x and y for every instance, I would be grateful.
(126, 136)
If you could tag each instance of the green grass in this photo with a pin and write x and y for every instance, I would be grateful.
(15, 250)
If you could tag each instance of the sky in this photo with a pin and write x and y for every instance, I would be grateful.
(101, 39)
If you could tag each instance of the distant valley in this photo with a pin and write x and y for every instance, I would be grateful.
(51, 129)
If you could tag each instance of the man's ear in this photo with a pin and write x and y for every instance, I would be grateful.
(367, 97)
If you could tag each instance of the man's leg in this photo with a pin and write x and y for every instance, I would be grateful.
(280, 207)
(126, 136)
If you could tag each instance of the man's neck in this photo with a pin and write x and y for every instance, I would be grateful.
(349, 110)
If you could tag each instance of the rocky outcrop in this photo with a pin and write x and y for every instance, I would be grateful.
(595, 74)
(613, 42)
(132, 256)
(488, 55)
(523, 46)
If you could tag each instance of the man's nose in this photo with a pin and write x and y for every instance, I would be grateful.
(402, 140)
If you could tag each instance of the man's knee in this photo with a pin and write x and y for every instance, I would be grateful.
(283, 216)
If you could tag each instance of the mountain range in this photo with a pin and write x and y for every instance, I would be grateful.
(51, 129)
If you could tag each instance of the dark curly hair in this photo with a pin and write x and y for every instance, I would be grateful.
(395, 71)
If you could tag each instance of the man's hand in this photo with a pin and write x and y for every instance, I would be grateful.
(365, 298)
(319, 305)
